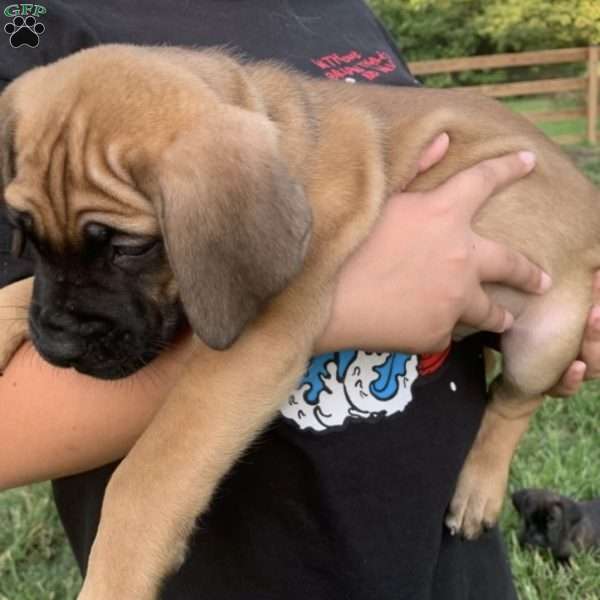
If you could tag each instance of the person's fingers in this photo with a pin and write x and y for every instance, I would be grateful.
(590, 347)
(499, 263)
(472, 187)
(434, 152)
(484, 314)
(570, 381)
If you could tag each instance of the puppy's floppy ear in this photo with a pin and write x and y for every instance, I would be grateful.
(235, 224)
(563, 517)
(564, 513)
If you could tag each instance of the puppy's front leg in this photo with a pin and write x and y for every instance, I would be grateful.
(14, 305)
(168, 478)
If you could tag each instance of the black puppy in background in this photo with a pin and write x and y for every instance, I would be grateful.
(556, 522)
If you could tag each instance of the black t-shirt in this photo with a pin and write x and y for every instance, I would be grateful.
(343, 497)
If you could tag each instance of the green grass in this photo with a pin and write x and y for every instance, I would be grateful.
(35, 561)
(561, 451)
(535, 104)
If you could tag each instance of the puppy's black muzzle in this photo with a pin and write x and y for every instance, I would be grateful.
(102, 316)
(102, 332)
(93, 345)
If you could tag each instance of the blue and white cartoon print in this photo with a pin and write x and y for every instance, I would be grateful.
(339, 387)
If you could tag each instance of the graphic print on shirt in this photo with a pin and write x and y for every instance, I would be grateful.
(353, 65)
(353, 385)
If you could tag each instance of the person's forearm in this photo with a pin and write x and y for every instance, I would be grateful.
(390, 295)
(56, 422)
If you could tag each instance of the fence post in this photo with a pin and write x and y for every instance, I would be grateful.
(592, 100)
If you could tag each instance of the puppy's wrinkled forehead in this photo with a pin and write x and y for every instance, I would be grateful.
(78, 131)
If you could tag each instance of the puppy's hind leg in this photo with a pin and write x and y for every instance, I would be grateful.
(545, 338)
(481, 486)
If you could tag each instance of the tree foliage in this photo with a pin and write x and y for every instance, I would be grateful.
(448, 28)
(426, 29)
(518, 25)
(429, 29)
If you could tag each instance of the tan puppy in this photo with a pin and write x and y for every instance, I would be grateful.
(148, 179)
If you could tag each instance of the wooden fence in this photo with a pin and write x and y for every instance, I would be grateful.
(587, 85)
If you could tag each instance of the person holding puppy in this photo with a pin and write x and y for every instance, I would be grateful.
(344, 495)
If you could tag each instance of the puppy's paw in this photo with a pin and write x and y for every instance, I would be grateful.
(14, 305)
(479, 495)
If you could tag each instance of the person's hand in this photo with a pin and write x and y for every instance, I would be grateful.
(421, 270)
(588, 364)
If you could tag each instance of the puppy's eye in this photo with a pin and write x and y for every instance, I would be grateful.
(97, 232)
(133, 250)
(130, 252)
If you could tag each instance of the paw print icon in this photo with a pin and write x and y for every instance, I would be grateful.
(24, 32)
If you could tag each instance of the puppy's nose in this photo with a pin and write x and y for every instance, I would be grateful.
(60, 320)
(62, 349)
(58, 338)
(94, 327)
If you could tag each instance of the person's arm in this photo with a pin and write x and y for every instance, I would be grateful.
(55, 422)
